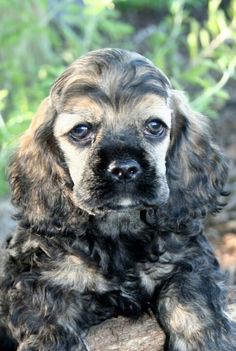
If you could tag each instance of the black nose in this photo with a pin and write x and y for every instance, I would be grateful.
(124, 171)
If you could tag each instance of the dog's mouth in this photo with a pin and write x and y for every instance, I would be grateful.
(126, 204)
(120, 206)
(103, 201)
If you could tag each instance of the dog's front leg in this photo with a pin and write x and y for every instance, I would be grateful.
(190, 310)
(44, 319)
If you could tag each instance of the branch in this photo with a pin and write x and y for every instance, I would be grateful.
(145, 334)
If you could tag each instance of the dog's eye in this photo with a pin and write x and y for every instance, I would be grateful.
(81, 132)
(155, 128)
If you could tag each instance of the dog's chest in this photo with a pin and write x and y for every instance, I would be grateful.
(126, 265)
(130, 288)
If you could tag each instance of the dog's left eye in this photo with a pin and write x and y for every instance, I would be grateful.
(81, 132)
(155, 128)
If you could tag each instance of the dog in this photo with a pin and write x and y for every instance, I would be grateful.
(111, 183)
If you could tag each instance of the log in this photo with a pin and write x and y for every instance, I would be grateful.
(122, 334)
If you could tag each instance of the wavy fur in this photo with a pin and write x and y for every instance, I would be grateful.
(81, 253)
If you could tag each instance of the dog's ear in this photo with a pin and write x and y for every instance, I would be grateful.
(196, 170)
(36, 174)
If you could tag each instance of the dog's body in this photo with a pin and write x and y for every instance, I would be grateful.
(111, 181)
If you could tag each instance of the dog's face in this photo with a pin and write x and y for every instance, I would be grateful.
(113, 135)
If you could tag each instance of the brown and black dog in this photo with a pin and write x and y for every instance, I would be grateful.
(111, 182)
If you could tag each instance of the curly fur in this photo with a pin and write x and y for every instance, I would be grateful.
(81, 252)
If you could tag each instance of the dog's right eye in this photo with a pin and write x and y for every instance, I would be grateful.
(81, 132)
(155, 128)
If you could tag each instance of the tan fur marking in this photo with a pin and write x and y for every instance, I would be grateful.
(153, 106)
(37, 121)
(77, 110)
(151, 274)
(34, 244)
(185, 322)
(73, 272)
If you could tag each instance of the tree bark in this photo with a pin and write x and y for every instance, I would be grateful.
(122, 334)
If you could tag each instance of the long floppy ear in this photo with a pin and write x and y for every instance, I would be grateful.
(196, 170)
(37, 177)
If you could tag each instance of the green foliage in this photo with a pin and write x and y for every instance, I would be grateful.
(154, 4)
(40, 38)
(10, 131)
(200, 57)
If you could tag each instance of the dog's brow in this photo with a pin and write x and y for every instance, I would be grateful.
(137, 86)
(83, 89)
(142, 87)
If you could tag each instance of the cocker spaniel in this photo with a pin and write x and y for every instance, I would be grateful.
(111, 183)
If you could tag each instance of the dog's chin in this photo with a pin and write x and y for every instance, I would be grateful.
(127, 205)
(123, 205)
(95, 203)
(120, 208)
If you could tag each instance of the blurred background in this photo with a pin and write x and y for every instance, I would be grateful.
(192, 41)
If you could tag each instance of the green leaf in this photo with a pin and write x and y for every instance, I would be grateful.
(204, 38)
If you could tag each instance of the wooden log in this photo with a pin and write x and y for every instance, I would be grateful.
(122, 334)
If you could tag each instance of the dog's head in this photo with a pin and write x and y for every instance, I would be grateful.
(114, 136)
